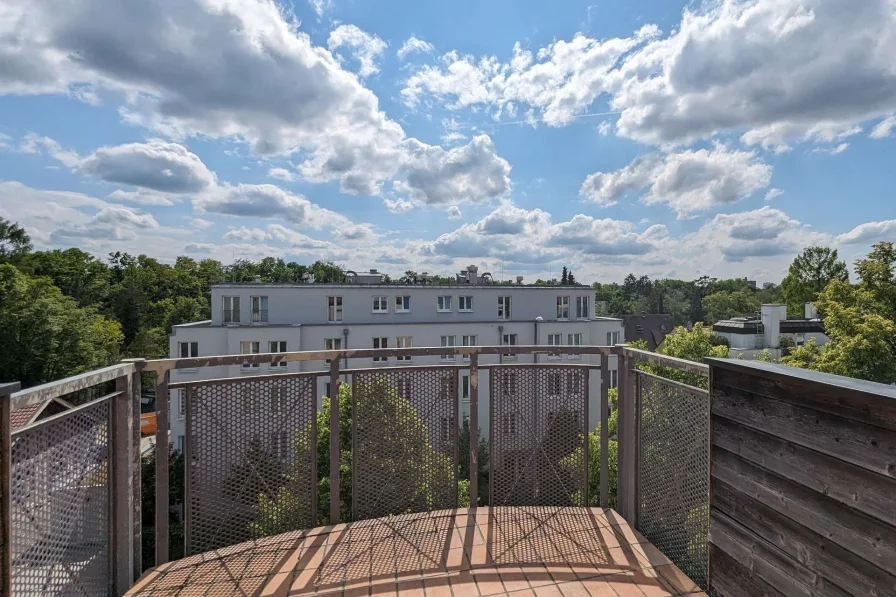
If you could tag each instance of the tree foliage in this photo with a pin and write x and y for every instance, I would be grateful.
(725, 305)
(692, 345)
(809, 274)
(14, 241)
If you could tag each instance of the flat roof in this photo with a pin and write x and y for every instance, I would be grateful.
(394, 286)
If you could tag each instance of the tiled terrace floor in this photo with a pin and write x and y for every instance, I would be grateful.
(520, 551)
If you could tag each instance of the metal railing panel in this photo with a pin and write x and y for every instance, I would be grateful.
(538, 430)
(61, 504)
(673, 471)
(250, 445)
(404, 441)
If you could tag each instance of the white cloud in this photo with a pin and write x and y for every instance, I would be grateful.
(267, 201)
(604, 128)
(142, 197)
(453, 213)
(773, 194)
(156, 165)
(35, 144)
(593, 236)
(869, 233)
(365, 47)
(884, 128)
(282, 174)
(109, 223)
(240, 70)
(832, 150)
(764, 68)
(400, 206)
(320, 6)
(200, 223)
(472, 172)
(414, 45)
(246, 234)
(5, 141)
(687, 181)
(199, 248)
(452, 137)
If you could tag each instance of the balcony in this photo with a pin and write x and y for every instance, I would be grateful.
(746, 478)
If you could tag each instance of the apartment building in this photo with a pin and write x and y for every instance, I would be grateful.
(366, 313)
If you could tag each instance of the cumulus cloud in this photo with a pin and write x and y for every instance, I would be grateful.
(267, 201)
(869, 233)
(765, 68)
(142, 197)
(246, 234)
(473, 172)
(687, 181)
(273, 89)
(454, 213)
(413, 45)
(400, 206)
(515, 234)
(365, 47)
(832, 150)
(199, 248)
(282, 174)
(773, 194)
(156, 165)
(109, 223)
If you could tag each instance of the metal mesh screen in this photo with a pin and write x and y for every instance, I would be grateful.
(60, 505)
(250, 448)
(404, 441)
(538, 420)
(673, 471)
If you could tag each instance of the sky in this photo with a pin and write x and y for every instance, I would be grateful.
(659, 137)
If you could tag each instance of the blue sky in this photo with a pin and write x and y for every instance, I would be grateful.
(661, 138)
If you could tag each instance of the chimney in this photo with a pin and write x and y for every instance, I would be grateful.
(811, 313)
(772, 315)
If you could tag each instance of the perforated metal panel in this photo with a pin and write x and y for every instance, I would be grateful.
(404, 441)
(60, 505)
(538, 417)
(673, 471)
(250, 449)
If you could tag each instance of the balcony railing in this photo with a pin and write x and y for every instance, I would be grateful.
(260, 450)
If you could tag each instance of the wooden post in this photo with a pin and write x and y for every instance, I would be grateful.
(474, 430)
(604, 429)
(163, 409)
(6, 391)
(123, 495)
(334, 441)
(627, 438)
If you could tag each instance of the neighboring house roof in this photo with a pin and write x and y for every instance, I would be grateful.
(20, 417)
(650, 328)
(743, 325)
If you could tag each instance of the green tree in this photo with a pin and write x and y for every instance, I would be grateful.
(564, 277)
(809, 273)
(725, 305)
(148, 506)
(14, 241)
(45, 335)
(78, 274)
(691, 345)
(464, 461)
(573, 462)
(805, 356)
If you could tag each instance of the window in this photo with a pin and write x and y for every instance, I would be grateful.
(469, 341)
(444, 304)
(327, 389)
(188, 350)
(503, 307)
(555, 340)
(614, 378)
(465, 303)
(334, 308)
(582, 307)
(259, 309)
(448, 341)
(404, 342)
(380, 343)
(445, 388)
(612, 338)
(509, 424)
(508, 383)
(465, 387)
(181, 404)
(248, 396)
(509, 340)
(402, 304)
(280, 445)
(181, 444)
(231, 309)
(574, 382)
(333, 344)
(574, 340)
(278, 346)
(380, 304)
(278, 399)
(404, 387)
(554, 383)
(248, 347)
(562, 307)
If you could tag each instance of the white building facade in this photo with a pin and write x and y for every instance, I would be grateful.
(262, 318)
(748, 337)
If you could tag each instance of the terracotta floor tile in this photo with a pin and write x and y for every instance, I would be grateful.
(437, 587)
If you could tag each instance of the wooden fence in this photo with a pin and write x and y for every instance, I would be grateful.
(802, 483)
